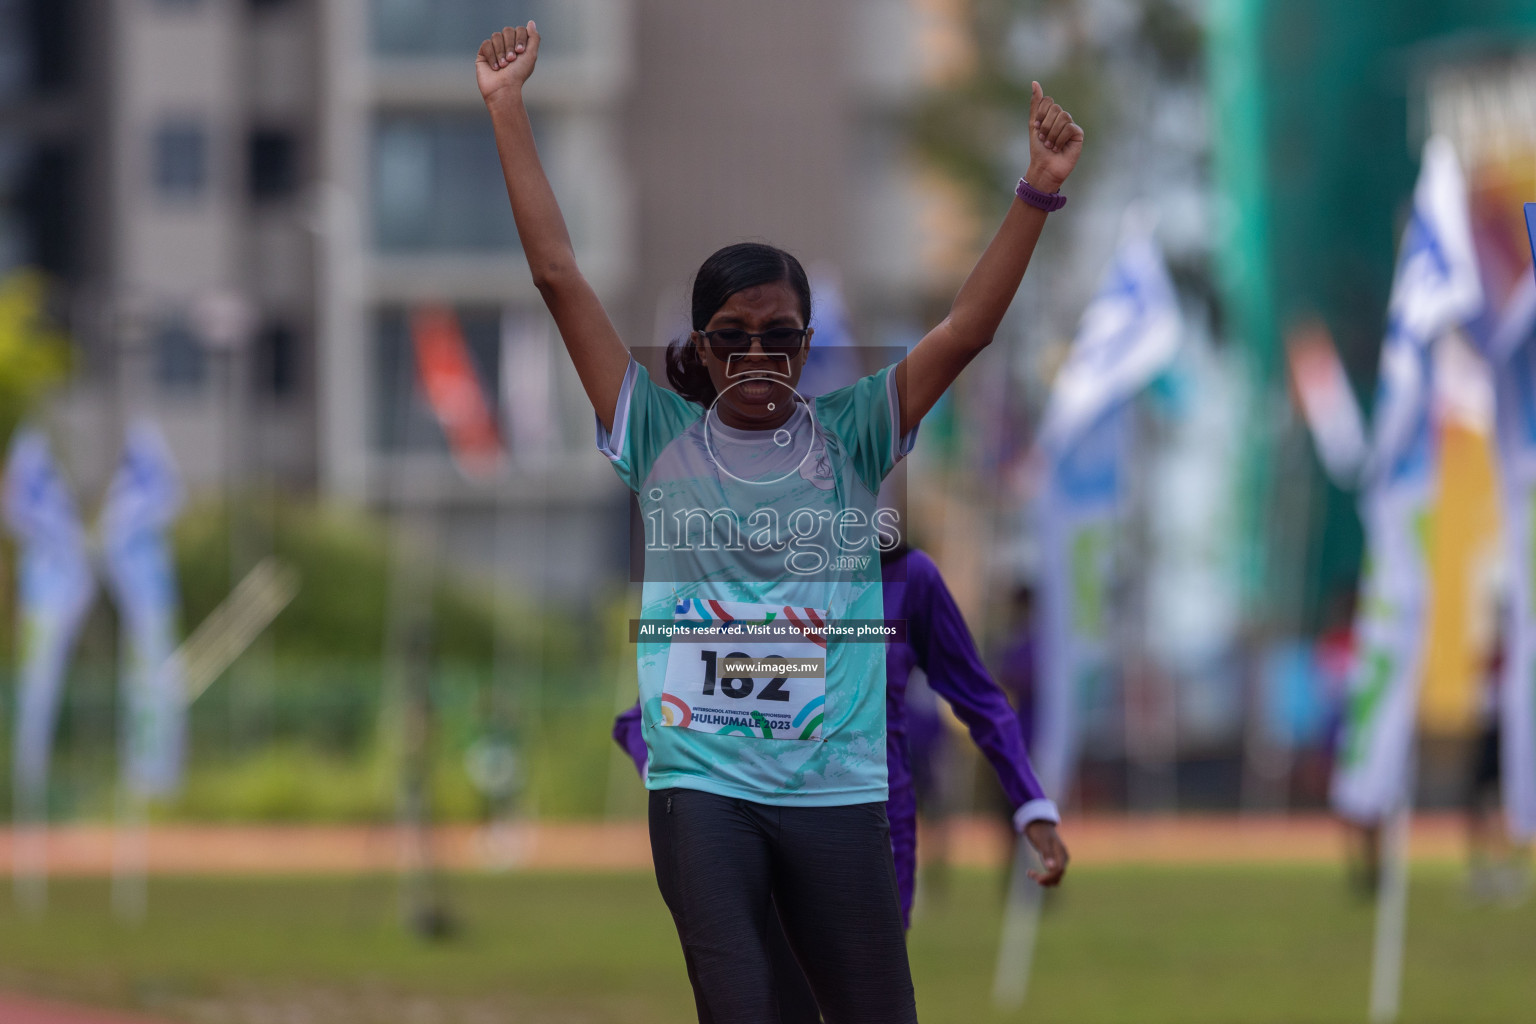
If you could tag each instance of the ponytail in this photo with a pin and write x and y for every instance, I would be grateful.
(687, 373)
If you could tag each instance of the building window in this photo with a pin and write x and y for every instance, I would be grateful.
(181, 160)
(39, 204)
(15, 51)
(38, 46)
(15, 154)
(438, 185)
(181, 361)
(274, 164)
(403, 421)
(55, 43)
(51, 209)
(456, 27)
(276, 369)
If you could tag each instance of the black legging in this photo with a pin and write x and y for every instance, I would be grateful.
(723, 865)
(797, 1003)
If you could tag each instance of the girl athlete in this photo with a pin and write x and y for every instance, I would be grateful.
(760, 510)
(938, 642)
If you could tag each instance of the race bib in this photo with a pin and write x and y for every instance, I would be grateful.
(743, 684)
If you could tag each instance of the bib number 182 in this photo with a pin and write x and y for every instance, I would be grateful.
(740, 687)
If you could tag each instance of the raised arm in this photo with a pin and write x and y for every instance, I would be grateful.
(502, 66)
(1055, 142)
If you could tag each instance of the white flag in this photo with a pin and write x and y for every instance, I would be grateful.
(1435, 290)
(1128, 334)
(1078, 514)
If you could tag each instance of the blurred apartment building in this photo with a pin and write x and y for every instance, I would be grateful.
(157, 162)
(244, 199)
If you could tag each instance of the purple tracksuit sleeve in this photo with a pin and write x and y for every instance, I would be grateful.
(627, 734)
(948, 655)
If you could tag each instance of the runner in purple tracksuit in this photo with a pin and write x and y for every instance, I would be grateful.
(939, 643)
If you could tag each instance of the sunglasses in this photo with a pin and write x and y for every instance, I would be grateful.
(782, 341)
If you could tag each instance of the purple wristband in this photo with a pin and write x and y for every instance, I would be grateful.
(1047, 201)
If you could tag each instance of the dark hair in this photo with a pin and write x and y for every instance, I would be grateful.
(730, 270)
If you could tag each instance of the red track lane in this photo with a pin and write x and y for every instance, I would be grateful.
(83, 850)
(19, 1010)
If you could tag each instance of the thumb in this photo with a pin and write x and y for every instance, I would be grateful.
(1036, 94)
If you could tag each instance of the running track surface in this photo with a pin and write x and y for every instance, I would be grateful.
(15, 1010)
(89, 850)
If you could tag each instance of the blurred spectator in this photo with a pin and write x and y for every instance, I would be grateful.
(1016, 661)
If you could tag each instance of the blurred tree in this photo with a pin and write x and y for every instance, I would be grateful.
(970, 125)
(34, 351)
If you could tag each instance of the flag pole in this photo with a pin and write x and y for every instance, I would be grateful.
(1021, 926)
(408, 666)
(1392, 909)
(1391, 920)
(55, 589)
(1132, 326)
(29, 850)
(130, 858)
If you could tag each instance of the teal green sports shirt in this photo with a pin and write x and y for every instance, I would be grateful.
(762, 526)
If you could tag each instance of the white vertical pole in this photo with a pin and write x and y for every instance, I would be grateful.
(29, 850)
(130, 859)
(1391, 918)
(1021, 925)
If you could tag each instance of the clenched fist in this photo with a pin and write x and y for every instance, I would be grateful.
(1043, 837)
(1055, 142)
(506, 60)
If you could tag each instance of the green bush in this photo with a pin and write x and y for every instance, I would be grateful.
(344, 560)
(288, 782)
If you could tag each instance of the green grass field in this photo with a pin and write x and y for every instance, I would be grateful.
(1138, 945)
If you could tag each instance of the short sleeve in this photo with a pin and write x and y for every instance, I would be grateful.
(646, 419)
(866, 417)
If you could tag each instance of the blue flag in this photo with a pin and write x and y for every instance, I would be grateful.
(55, 589)
(1128, 334)
(1512, 349)
(142, 502)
